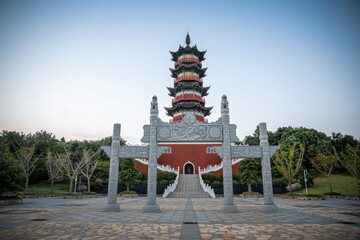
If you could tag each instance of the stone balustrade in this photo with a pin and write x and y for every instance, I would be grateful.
(171, 188)
(218, 167)
(206, 187)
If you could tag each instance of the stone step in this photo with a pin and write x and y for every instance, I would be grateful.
(189, 187)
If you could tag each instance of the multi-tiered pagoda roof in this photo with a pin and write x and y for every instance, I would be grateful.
(188, 90)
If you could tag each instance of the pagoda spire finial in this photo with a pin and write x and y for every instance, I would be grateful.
(187, 40)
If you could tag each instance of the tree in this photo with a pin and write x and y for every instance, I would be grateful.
(286, 162)
(11, 173)
(90, 160)
(129, 174)
(325, 164)
(249, 172)
(28, 163)
(351, 161)
(69, 165)
(52, 168)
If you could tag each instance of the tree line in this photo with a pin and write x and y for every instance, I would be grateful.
(30, 158)
(304, 149)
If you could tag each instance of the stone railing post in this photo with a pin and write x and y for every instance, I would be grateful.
(151, 205)
(269, 205)
(114, 171)
(227, 165)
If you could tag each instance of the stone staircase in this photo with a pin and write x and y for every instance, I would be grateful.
(189, 187)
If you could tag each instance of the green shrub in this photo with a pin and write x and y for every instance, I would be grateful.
(208, 182)
(308, 195)
(332, 193)
(281, 182)
(249, 172)
(216, 184)
(171, 182)
(171, 176)
(89, 193)
(164, 182)
(70, 193)
(236, 183)
(206, 176)
(11, 173)
(102, 171)
(216, 178)
(161, 176)
(128, 192)
(251, 193)
(275, 171)
(144, 183)
(96, 185)
(292, 194)
(137, 182)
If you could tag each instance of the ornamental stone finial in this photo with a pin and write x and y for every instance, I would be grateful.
(224, 102)
(187, 40)
(154, 103)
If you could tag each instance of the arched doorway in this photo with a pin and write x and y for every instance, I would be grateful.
(189, 168)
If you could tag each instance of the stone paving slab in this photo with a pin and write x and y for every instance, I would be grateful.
(51, 218)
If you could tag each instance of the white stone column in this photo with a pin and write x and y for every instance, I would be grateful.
(151, 205)
(269, 205)
(227, 165)
(114, 171)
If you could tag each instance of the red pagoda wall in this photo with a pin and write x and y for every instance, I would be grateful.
(195, 153)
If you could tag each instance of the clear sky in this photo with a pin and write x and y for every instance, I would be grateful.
(76, 67)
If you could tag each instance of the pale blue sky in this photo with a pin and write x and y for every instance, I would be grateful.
(76, 67)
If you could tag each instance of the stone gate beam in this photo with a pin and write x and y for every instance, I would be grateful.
(114, 171)
(151, 205)
(269, 205)
(227, 164)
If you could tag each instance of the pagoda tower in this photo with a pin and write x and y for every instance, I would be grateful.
(188, 90)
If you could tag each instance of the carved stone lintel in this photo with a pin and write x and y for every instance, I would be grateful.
(246, 152)
(161, 150)
(219, 151)
(107, 150)
(273, 150)
(134, 152)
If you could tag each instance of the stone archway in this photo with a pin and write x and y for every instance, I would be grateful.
(189, 168)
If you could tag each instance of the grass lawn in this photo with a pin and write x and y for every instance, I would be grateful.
(44, 187)
(340, 183)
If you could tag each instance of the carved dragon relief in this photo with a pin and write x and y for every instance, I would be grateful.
(189, 129)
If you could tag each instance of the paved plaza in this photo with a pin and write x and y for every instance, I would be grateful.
(180, 218)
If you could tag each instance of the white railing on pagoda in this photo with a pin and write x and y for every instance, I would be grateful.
(218, 167)
(188, 97)
(163, 168)
(191, 77)
(206, 187)
(171, 188)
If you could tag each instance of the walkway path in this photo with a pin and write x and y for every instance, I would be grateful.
(180, 218)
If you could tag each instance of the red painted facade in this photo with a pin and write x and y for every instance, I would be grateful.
(193, 153)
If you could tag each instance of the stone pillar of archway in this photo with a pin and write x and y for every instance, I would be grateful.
(269, 205)
(227, 165)
(112, 205)
(151, 205)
